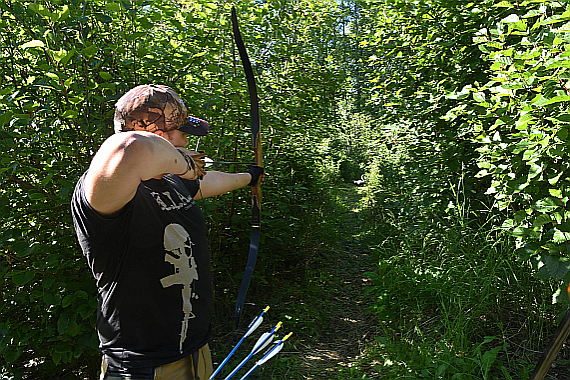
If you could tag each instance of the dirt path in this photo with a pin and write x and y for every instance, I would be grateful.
(324, 298)
(338, 343)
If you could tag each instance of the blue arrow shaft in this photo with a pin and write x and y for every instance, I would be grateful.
(253, 352)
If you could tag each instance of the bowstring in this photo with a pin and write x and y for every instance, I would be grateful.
(211, 90)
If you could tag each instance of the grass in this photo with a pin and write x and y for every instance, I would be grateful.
(455, 303)
(452, 299)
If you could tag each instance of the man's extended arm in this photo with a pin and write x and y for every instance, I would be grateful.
(216, 183)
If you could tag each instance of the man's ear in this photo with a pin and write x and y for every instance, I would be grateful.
(159, 132)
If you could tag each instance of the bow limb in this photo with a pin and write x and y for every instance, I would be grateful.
(553, 348)
(256, 146)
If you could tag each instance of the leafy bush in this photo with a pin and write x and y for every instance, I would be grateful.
(522, 129)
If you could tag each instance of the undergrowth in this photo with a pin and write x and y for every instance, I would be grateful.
(451, 297)
(455, 304)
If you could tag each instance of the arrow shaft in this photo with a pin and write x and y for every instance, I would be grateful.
(229, 162)
(251, 328)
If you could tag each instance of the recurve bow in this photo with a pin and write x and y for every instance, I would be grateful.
(256, 146)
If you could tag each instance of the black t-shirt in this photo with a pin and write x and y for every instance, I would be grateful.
(152, 266)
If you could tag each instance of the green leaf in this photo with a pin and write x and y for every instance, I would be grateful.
(39, 9)
(524, 120)
(489, 358)
(503, 4)
(560, 63)
(553, 20)
(527, 251)
(113, 7)
(504, 60)
(12, 355)
(512, 18)
(59, 55)
(519, 232)
(52, 299)
(146, 23)
(89, 51)
(535, 170)
(142, 52)
(32, 44)
(53, 76)
(37, 196)
(6, 117)
(177, 24)
(541, 220)
(479, 97)
(546, 205)
(557, 266)
(70, 114)
(67, 300)
(529, 55)
(74, 329)
(553, 179)
(22, 278)
(64, 14)
(532, 13)
(104, 75)
(555, 192)
(56, 357)
(558, 99)
(67, 57)
(560, 236)
(81, 294)
(63, 324)
(539, 100)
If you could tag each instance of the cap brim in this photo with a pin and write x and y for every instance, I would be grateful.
(196, 127)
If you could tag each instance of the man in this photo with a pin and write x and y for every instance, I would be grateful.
(144, 238)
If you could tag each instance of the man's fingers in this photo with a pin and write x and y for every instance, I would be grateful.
(198, 156)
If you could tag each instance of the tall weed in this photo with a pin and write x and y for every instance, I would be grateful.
(455, 303)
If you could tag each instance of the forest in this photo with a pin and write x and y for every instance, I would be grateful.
(414, 221)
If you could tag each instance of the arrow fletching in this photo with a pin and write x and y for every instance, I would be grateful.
(274, 350)
(265, 339)
(271, 353)
(262, 342)
(255, 323)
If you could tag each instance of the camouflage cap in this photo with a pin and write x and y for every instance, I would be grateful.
(155, 107)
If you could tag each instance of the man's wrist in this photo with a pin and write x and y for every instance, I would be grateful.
(189, 161)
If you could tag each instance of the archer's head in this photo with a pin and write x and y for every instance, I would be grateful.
(155, 107)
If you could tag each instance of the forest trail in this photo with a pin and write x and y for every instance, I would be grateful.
(337, 343)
